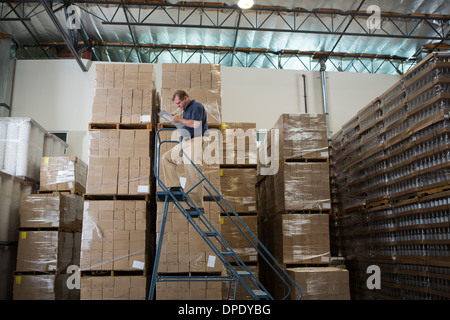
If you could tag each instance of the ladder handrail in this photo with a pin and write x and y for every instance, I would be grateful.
(235, 215)
(196, 227)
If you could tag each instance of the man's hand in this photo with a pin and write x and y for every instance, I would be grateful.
(186, 122)
(176, 119)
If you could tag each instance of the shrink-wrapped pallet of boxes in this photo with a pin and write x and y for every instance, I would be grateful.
(63, 174)
(49, 243)
(293, 196)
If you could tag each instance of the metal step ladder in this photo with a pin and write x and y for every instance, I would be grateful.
(239, 273)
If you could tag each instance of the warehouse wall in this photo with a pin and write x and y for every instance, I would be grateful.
(58, 95)
(261, 95)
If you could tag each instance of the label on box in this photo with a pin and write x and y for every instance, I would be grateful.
(251, 208)
(221, 172)
(46, 160)
(324, 154)
(70, 184)
(18, 279)
(145, 118)
(183, 182)
(327, 206)
(138, 265)
(211, 261)
(51, 267)
(23, 235)
(142, 189)
(325, 259)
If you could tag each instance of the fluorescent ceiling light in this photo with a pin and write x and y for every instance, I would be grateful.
(245, 4)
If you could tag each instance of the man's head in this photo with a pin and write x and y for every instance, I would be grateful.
(181, 99)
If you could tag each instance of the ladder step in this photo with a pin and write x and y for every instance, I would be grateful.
(211, 234)
(194, 214)
(244, 273)
(260, 294)
(162, 195)
(189, 278)
(228, 253)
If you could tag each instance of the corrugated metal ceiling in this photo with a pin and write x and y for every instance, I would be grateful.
(273, 34)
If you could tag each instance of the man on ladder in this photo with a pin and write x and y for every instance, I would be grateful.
(195, 136)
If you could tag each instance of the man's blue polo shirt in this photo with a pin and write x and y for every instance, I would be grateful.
(196, 111)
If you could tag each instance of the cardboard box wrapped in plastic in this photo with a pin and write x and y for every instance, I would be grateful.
(114, 235)
(320, 283)
(54, 210)
(63, 174)
(238, 188)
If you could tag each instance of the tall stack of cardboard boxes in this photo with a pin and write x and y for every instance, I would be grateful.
(50, 232)
(184, 252)
(117, 238)
(237, 183)
(391, 162)
(294, 204)
(23, 142)
(202, 82)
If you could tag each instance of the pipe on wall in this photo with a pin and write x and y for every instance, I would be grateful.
(323, 80)
(7, 66)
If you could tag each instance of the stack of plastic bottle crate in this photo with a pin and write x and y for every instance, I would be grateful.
(391, 180)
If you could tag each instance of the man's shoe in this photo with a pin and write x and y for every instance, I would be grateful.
(195, 212)
(176, 189)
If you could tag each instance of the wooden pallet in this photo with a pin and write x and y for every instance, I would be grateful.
(306, 211)
(64, 192)
(34, 273)
(163, 125)
(305, 265)
(303, 159)
(427, 192)
(111, 273)
(100, 197)
(120, 126)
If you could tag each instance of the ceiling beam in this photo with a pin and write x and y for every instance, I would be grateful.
(48, 8)
(314, 54)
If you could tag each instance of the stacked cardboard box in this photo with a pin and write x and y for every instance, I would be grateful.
(185, 252)
(301, 136)
(51, 210)
(43, 287)
(238, 188)
(237, 183)
(297, 186)
(298, 239)
(114, 235)
(210, 171)
(237, 240)
(241, 293)
(49, 242)
(294, 199)
(123, 93)
(194, 290)
(119, 162)
(239, 143)
(113, 288)
(327, 283)
(183, 249)
(63, 173)
(202, 82)
(47, 250)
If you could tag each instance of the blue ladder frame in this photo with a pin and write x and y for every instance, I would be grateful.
(239, 271)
